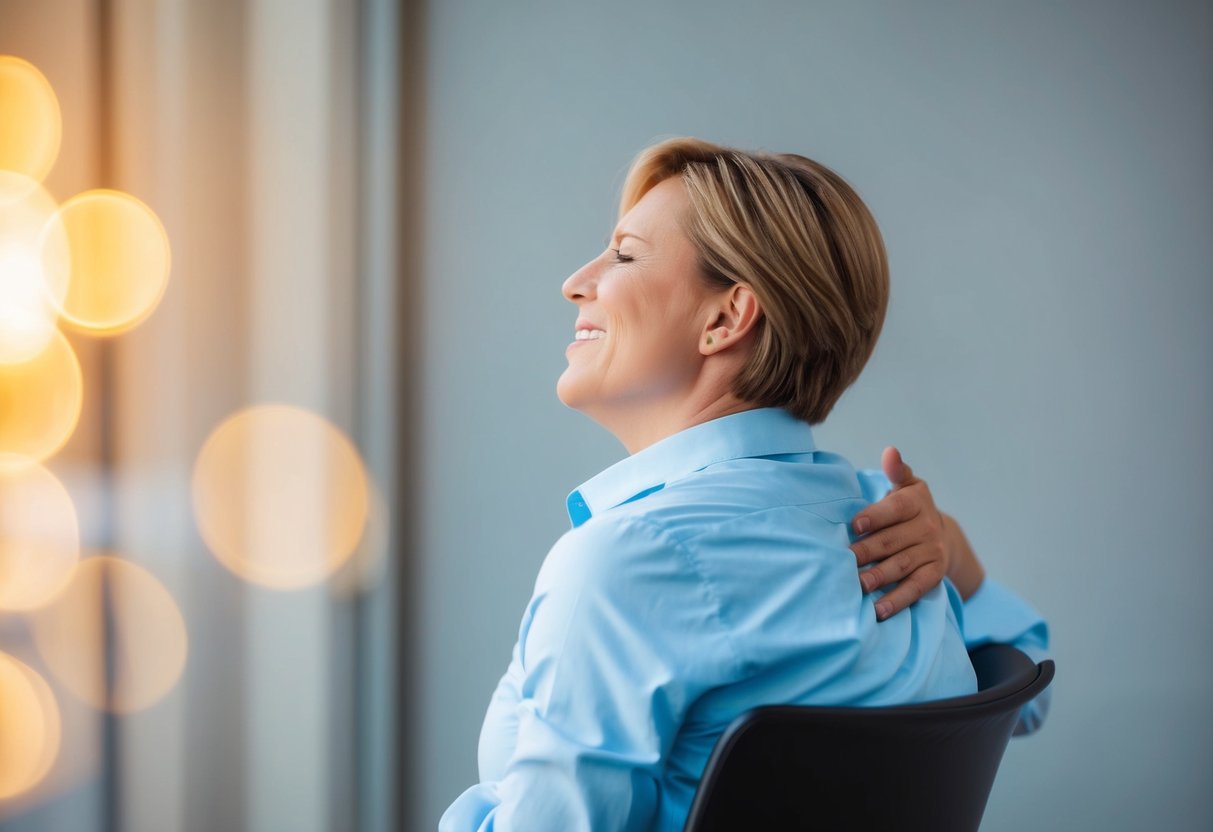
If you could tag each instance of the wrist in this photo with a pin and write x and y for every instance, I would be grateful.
(964, 570)
(968, 581)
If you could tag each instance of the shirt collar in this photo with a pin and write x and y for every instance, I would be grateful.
(761, 432)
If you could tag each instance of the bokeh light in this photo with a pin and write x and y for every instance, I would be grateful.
(31, 126)
(149, 641)
(39, 536)
(30, 728)
(40, 402)
(367, 567)
(118, 260)
(29, 294)
(280, 496)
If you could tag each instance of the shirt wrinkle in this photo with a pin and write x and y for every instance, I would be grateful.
(705, 584)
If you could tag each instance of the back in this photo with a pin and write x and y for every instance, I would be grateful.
(769, 537)
(704, 576)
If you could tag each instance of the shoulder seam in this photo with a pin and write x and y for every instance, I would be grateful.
(694, 563)
(715, 528)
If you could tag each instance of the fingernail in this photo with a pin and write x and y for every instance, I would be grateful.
(883, 609)
(866, 581)
(863, 524)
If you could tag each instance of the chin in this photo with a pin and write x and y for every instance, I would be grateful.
(575, 391)
(566, 390)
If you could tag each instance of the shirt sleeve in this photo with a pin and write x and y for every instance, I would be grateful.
(499, 734)
(607, 672)
(995, 614)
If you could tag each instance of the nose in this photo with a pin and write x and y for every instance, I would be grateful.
(581, 284)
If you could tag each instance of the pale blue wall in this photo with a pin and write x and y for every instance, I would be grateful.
(1042, 176)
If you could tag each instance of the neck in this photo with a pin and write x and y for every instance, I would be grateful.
(639, 424)
(646, 429)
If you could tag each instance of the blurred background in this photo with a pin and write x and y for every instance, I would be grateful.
(280, 453)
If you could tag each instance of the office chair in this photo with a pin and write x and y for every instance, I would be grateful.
(926, 766)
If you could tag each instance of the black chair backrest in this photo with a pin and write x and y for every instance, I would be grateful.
(926, 766)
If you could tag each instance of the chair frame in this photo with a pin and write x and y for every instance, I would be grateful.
(946, 788)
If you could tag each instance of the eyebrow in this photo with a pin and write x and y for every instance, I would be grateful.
(619, 235)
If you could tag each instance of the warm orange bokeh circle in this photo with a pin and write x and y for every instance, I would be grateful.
(117, 262)
(30, 728)
(31, 126)
(148, 643)
(39, 536)
(40, 402)
(280, 496)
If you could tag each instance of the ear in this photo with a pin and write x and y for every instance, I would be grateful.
(730, 318)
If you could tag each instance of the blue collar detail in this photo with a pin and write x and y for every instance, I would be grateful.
(752, 433)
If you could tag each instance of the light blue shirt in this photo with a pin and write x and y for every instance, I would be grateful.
(704, 575)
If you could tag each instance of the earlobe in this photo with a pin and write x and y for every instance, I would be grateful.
(716, 338)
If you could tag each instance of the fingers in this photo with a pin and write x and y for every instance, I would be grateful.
(895, 468)
(886, 572)
(919, 539)
(903, 539)
(911, 559)
(897, 507)
(909, 590)
(880, 545)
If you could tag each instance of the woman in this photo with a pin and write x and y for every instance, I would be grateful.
(711, 570)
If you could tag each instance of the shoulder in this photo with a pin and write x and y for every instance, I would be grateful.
(607, 553)
(619, 588)
(809, 493)
(623, 568)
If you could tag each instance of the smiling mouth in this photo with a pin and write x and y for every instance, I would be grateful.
(589, 335)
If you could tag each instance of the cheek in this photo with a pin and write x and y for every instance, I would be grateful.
(649, 349)
(636, 307)
(648, 324)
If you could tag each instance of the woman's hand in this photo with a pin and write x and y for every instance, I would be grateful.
(907, 540)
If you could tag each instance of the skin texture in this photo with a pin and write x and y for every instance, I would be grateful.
(654, 373)
(671, 348)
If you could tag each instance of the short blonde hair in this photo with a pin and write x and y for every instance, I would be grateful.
(801, 239)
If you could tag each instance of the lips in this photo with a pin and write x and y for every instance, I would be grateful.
(587, 330)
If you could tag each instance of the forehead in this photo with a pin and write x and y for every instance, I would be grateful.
(659, 212)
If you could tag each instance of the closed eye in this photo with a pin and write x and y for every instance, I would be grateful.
(620, 257)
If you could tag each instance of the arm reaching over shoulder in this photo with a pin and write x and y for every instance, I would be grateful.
(909, 540)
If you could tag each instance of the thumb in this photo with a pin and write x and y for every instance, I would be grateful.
(895, 469)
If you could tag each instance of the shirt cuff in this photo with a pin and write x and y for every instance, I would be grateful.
(995, 614)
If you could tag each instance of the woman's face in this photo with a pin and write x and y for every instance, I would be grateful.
(642, 309)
